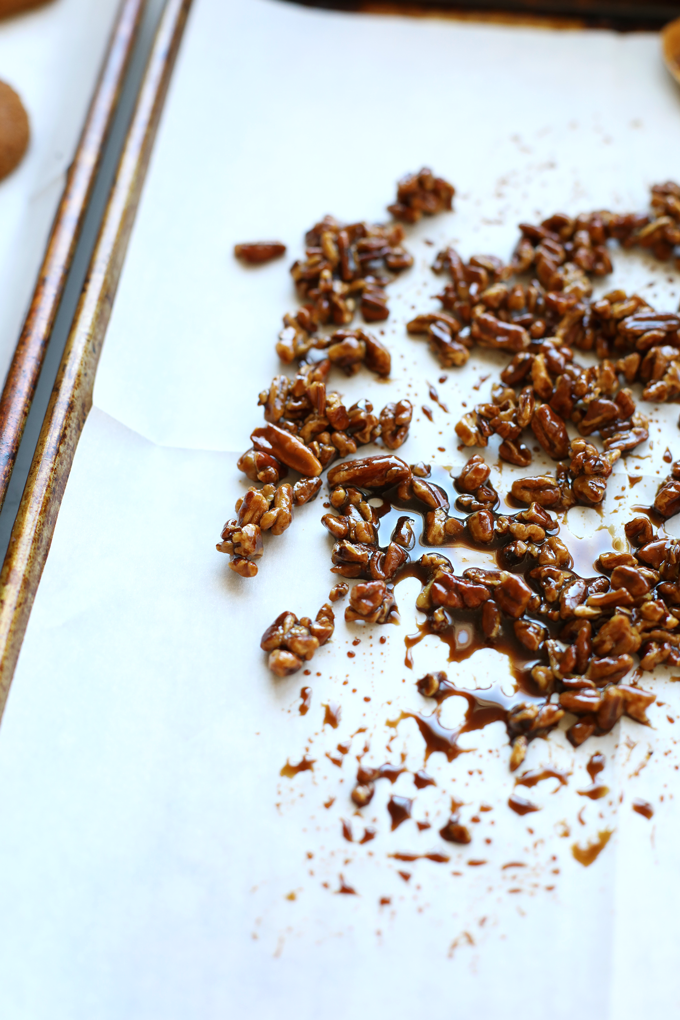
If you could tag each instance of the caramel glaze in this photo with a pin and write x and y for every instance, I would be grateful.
(595, 765)
(463, 636)
(305, 765)
(421, 780)
(346, 890)
(535, 776)
(332, 715)
(655, 517)
(587, 854)
(643, 808)
(399, 809)
(521, 806)
(596, 790)
(434, 856)
(306, 700)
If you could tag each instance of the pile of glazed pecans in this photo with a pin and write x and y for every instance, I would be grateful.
(576, 639)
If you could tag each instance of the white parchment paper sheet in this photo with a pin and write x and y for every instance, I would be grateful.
(156, 864)
(51, 57)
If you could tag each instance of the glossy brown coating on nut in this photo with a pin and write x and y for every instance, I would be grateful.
(258, 252)
(291, 642)
(421, 194)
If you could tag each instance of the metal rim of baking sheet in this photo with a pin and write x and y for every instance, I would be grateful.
(24, 371)
(71, 398)
(620, 15)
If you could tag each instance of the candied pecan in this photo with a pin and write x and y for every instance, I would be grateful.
(422, 323)
(347, 351)
(454, 832)
(470, 430)
(378, 358)
(280, 514)
(581, 730)
(529, 634)
(541, 489)
(609, 669)
(350, 526)
(257, 252)
(489, 331)
(630, 578)
(639, 531)
(342, 261)
(513, 595)
(395, 420)
(374, 304)
(403, 533)
(480, 526)
(370, 472)
(667, 501)
(323, 625)
(519, 750)
(290, 641)
(582, 701)
(338, 591)
(474, 473)
(439, 528)
(242, 537)
(636, 702)
(491, 619)
(429, 684)
(349, 348)
(420, 193)
(261, 467)
(450, 352)
(589, 470)
(287, 448)
(551, 432)
(515, 452)
(305, 490)
(456, 593)
(653, 654)
(531, 720)
(362, 794)
(363, 425)
(284, 663)
(372, 602)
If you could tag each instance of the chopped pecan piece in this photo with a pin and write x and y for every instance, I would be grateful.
(421, 193)
(372, 602)
(370, 472)
(257, 252)
(667, 501)
(454, 832)
(287, 448)
(551, 432)
(395, 420)
(290, 641)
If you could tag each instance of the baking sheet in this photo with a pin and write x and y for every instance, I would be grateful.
(156, 863)
(52, 57)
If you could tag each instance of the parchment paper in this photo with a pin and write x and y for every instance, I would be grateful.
(156, 864)
(52, 57)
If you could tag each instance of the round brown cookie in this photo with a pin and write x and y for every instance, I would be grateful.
(8, 7)
(14, 130)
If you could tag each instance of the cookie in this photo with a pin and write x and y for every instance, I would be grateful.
(14, 130)
(8, 7)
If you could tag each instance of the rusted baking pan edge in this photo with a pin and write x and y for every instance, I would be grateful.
(620, 15)
(71, 398)
(24, 371)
